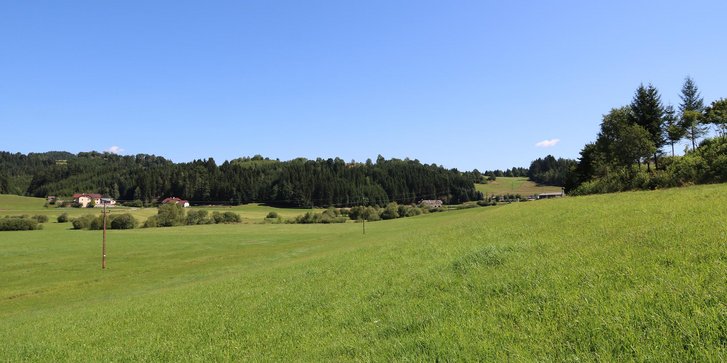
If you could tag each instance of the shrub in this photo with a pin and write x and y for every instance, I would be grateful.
(170, 215)
(371, 214)
(63, 218)
(413, 211)
(151, 222)
(308, 217)
(332, 215)
(40, 218)
(485, 203)
(83, 222)
(390, 211)
(226, 217)
(356, 213)
(123, 221)
(19, 224)
(403, 210)
(197, 217)
(97, 223)
(272, 215)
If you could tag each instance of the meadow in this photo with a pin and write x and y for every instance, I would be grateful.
(515, 185)
(14, 205)
(638, 276)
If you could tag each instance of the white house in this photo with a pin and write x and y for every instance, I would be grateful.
(84, 199)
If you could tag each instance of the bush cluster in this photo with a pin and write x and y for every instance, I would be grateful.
(195, 217)
(170, 215)
(40, 218)
(113, 221)
(330, 215)
(226, 217)
(368, 213)
(19, 224)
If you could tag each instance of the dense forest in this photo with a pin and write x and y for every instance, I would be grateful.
(299, 182)
(551, 171)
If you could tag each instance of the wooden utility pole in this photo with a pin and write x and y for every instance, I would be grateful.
(364, 226)
(103, 250)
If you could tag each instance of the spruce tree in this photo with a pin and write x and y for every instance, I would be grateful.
(648, 112)
(691, 98)
(690, 111)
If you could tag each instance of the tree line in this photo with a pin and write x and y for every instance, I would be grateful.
(633, 138)
(299, 182)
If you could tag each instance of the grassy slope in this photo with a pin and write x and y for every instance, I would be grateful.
(611, 277)
(518, 185)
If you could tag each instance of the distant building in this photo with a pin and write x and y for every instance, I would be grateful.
(431, 203)
(175, 200)
(85, 198)
(52, 199)
(551, 195)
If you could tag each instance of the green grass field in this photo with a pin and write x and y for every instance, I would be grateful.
(516, 185)
(250, 213)
(636, 276)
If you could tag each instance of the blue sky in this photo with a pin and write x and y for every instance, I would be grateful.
(465, 84)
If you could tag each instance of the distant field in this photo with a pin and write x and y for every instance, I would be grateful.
(251, 213)
(13, 203)
(256, 211)
(623, 277)
(522, 186)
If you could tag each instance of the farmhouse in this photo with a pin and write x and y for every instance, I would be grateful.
(84, 199)
(175, 200)
(431, 203)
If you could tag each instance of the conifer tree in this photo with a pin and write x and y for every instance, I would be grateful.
(648, 112)
(691, 98)
(690, 111)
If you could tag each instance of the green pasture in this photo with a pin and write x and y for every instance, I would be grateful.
(515, 185)
(250, 213)
(255, 212)
(635, 276)
(15, 204)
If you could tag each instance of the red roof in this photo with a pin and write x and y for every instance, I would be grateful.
(174, 200)
(92, 195)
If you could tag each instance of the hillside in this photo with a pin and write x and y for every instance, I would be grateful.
(515, 185)
(629, 276)
(296, 183)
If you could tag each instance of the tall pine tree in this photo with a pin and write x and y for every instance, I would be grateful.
(648, 112)
(690, 111)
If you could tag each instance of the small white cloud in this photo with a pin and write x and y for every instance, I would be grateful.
(548, 143)
(114, 150)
